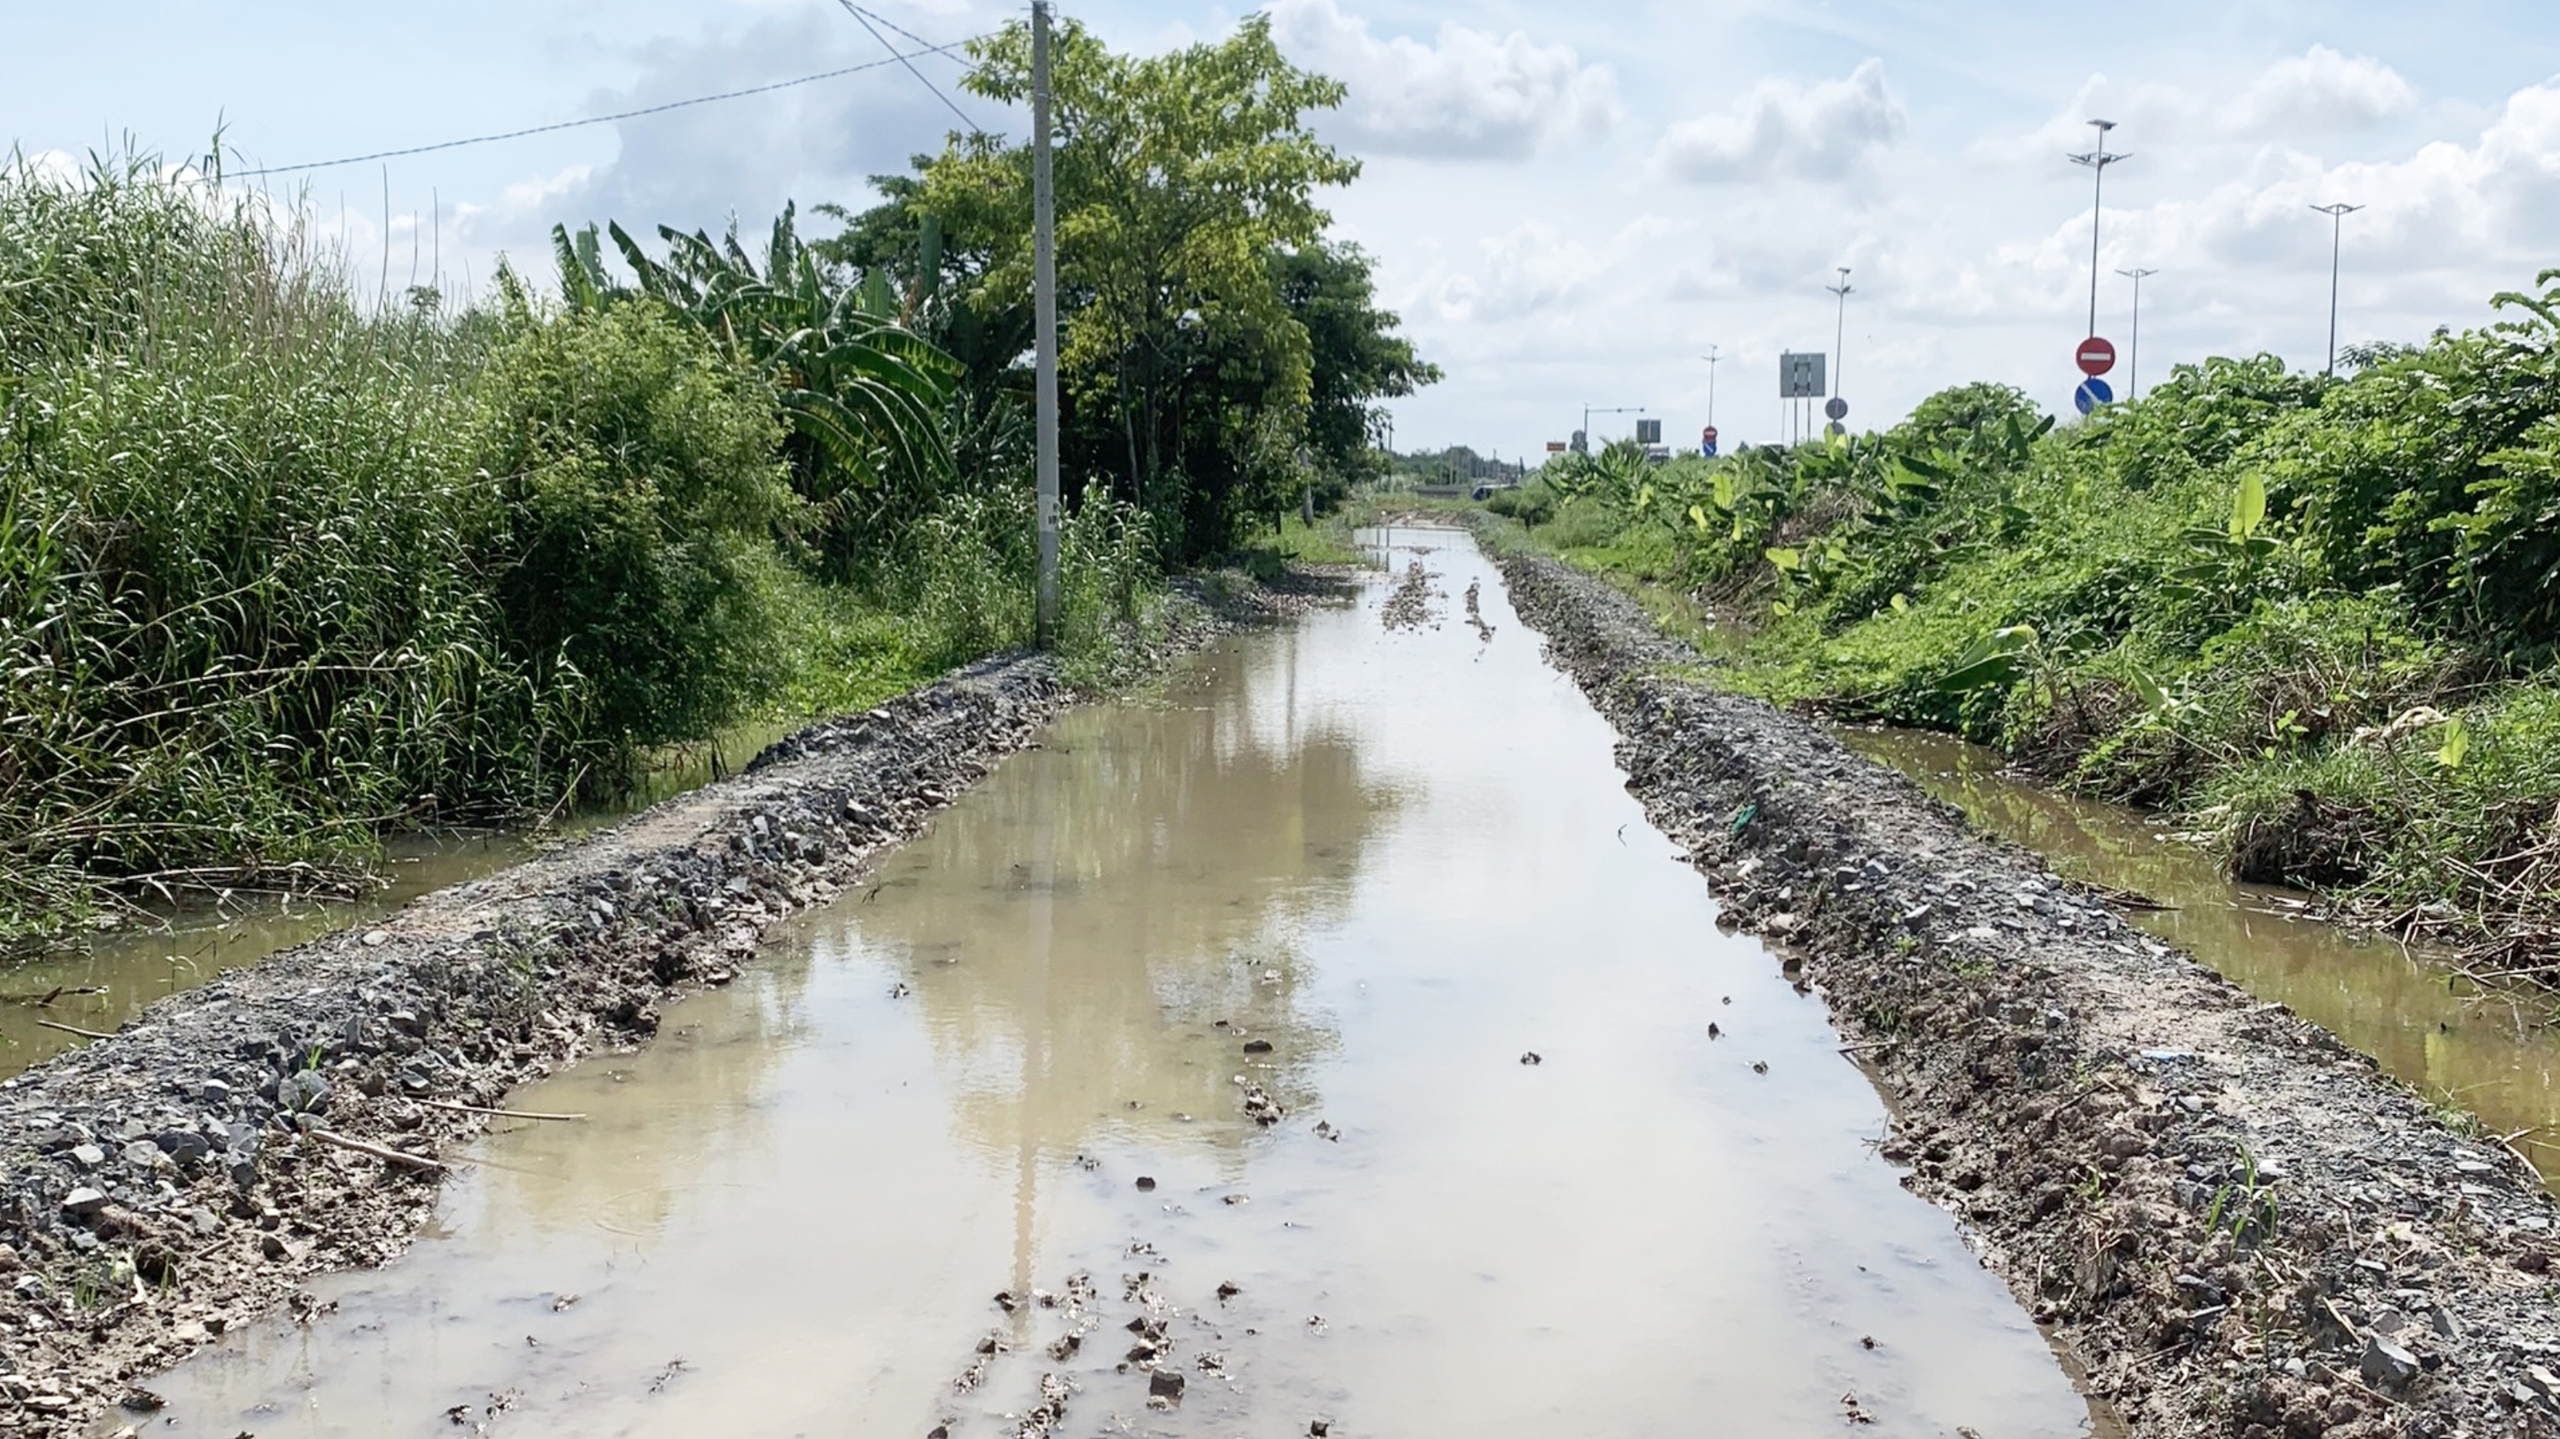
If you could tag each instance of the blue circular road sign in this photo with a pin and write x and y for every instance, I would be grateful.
(2092, 393)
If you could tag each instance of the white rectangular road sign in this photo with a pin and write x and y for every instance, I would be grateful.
(1800, 375)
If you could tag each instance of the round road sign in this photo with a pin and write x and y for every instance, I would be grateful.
(2092, 393)
(1835, 428)
(2096, 356)
(1836, 407)
(1707, 436)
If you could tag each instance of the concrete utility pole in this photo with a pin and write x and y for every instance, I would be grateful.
(2097, 160)
(1044, 287)
(1839, 329)
(2133, 360)
(2337, 224)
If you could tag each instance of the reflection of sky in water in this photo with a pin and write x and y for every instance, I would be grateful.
(1118, 893)
(1400, 859)
(2489, 1053)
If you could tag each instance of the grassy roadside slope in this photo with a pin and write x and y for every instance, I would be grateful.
(281, 570)
(2313, 619)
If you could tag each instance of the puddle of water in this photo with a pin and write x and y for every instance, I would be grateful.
(2490, 1053)
(111, 978)
(1402, 860)
(115, 976)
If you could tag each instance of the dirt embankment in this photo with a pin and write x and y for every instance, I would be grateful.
(2234, 1224)
(187, 1173)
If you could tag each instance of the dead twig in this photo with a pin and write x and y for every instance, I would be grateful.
(501, 1113)
(74, 1029)
(378, 1151)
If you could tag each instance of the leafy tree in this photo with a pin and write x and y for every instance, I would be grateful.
(1355, 356)
(1180, 180)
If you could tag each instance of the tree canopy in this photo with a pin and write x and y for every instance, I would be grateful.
(1216, 353)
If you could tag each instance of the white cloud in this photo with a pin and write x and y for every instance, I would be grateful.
(2318, 94)
(2487, 209)
(2320, 90)
(1469, 93)
(1782, 130)
(1535, 267)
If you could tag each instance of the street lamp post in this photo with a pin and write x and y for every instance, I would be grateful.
(2337, 224)
(1710, 358)
(2133, 367)
(1839, 329)
(2097, 160)
(1588, 411)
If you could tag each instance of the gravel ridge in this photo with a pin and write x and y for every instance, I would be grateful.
(2226, 1221)
(187, 1173)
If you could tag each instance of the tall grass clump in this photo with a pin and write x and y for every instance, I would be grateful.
(278, 569)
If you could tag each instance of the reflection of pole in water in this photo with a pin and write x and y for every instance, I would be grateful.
(1037, 1027)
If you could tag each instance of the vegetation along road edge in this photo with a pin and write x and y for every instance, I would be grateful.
(2234, 1224)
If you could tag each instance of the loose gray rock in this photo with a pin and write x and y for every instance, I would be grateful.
(2386, 1364)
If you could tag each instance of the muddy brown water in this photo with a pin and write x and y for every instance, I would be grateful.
(1366, 872)
(108, 979)
(2493, 1054)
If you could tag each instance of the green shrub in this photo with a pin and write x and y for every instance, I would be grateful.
(1531, 504)
(1584, 525)
(636, 479)
(2319, 617)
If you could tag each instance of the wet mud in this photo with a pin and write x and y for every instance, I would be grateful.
(2231, 1220)
(1327, 1046)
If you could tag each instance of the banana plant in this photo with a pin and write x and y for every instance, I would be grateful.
(866, 394)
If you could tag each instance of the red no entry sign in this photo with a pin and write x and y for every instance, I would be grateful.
(1708, 434)
(2096, 356)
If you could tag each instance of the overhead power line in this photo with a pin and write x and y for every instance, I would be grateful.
(864, 18)
(895, 59)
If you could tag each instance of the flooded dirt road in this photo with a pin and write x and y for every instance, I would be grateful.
(2492, 1054)
(1330, 1046)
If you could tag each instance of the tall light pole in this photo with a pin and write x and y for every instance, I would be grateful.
(1588, 411)
(1710, 358)
(2337, 224)
(1044, 309)
(1839, 328)
(2133, 368)
(2097, 160)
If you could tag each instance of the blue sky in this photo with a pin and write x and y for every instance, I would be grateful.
(1568, 204)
